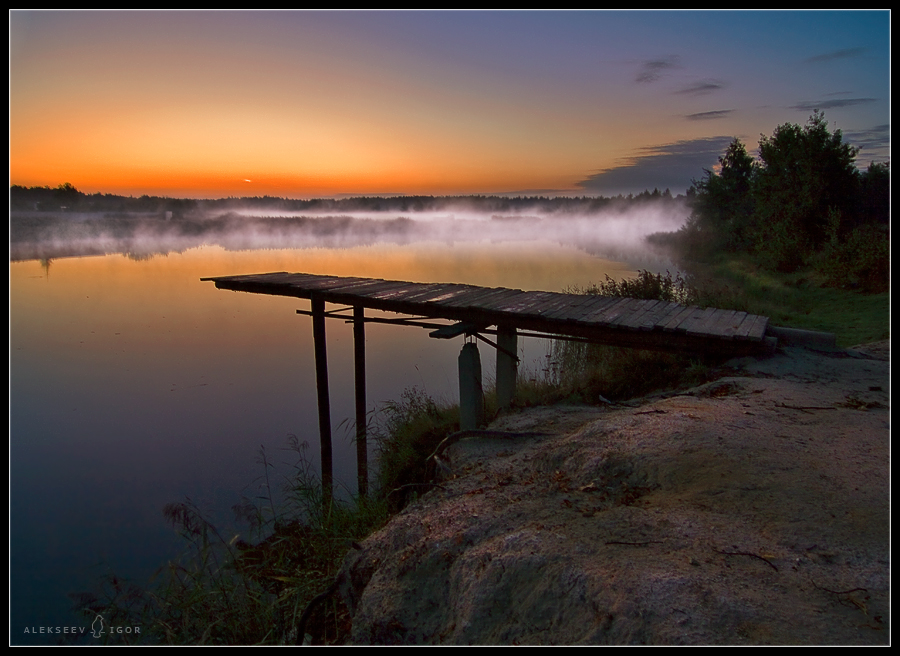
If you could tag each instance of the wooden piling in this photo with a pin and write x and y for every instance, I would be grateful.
(318, 319)
(507, 365)
(359, 353)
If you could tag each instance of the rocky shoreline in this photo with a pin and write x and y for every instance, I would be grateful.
(750, 510)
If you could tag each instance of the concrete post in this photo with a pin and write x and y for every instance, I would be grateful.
(507, 365)
(471, 398)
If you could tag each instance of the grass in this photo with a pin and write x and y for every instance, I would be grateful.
(802, 299)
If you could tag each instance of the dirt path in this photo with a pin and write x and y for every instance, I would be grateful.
(751, 510)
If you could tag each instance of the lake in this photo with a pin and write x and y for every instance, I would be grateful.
(134, 384)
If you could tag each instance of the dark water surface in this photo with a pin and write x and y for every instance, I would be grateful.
(133, 384)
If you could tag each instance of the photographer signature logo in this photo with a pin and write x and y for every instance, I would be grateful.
(97, 626)
(100, 627)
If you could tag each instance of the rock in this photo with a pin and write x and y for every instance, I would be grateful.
(752, 510)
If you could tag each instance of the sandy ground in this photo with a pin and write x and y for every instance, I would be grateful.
(751, 510)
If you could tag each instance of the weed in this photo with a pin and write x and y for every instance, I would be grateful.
(410, 430)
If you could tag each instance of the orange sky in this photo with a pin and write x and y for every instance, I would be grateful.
(319, 104)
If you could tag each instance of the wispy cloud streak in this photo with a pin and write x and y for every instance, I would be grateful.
(844, 53)
(653, 69)
(710, 116)
(810, 105)
(701, 88)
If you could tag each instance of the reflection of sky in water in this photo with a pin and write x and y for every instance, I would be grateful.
(133, 384)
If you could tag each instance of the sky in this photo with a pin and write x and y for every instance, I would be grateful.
(305, 104)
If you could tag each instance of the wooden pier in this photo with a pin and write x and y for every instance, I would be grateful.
(629, 322)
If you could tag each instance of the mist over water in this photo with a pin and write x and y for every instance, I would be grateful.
(617, 233)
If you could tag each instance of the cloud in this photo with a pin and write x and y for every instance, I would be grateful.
(702, 88)
(709, 116)
(874, 144)
(668, 166)
(845, 53)
(810, 105)
(652, 69)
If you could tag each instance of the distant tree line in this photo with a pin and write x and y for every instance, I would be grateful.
(66, 197)
(801, 203)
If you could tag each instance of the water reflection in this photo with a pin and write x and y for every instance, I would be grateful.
(133, 384)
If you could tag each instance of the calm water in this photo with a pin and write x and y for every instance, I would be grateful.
(133, 384)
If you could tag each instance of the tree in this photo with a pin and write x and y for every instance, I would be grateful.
(723, 202)
(807, 177)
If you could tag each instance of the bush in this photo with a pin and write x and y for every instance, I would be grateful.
(861, 260)
(647, 285)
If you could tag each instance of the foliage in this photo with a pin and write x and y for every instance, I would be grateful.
(806, 174)
(723, 203)
(802, 195)
(860, 260)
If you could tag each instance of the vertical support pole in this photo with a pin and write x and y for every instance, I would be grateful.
(318, 317)
(507, 365)
(359, 369)
(471, 399)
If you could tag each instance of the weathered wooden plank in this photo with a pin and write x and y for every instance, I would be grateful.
(625, 311)
(745, 327)
(717, 316)
(593, 303)
(550, 305)
(672, 323)
(497, 303)
(327, 284)
(672, 313)
(607, 313)
(566, 311)
(721, 326)
(496, 295)
(692, 325)
(420, 291)
(473, 297)
(756, 330)
(432, 295)
(529, 304)
(632, 320)
(279, 279)
(729, 331)
(376, 291)
(510, 303)
(653, 318)
(393, 293)
(450, 294)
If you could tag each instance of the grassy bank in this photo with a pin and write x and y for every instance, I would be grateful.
(801, 299)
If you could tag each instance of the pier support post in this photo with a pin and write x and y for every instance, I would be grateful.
(359, 361)
(507, 365)
(471, 398)
(318, 319)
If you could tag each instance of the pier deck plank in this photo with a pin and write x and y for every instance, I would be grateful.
(658, 325)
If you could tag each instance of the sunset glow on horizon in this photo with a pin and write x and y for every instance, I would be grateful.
(304, 104)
